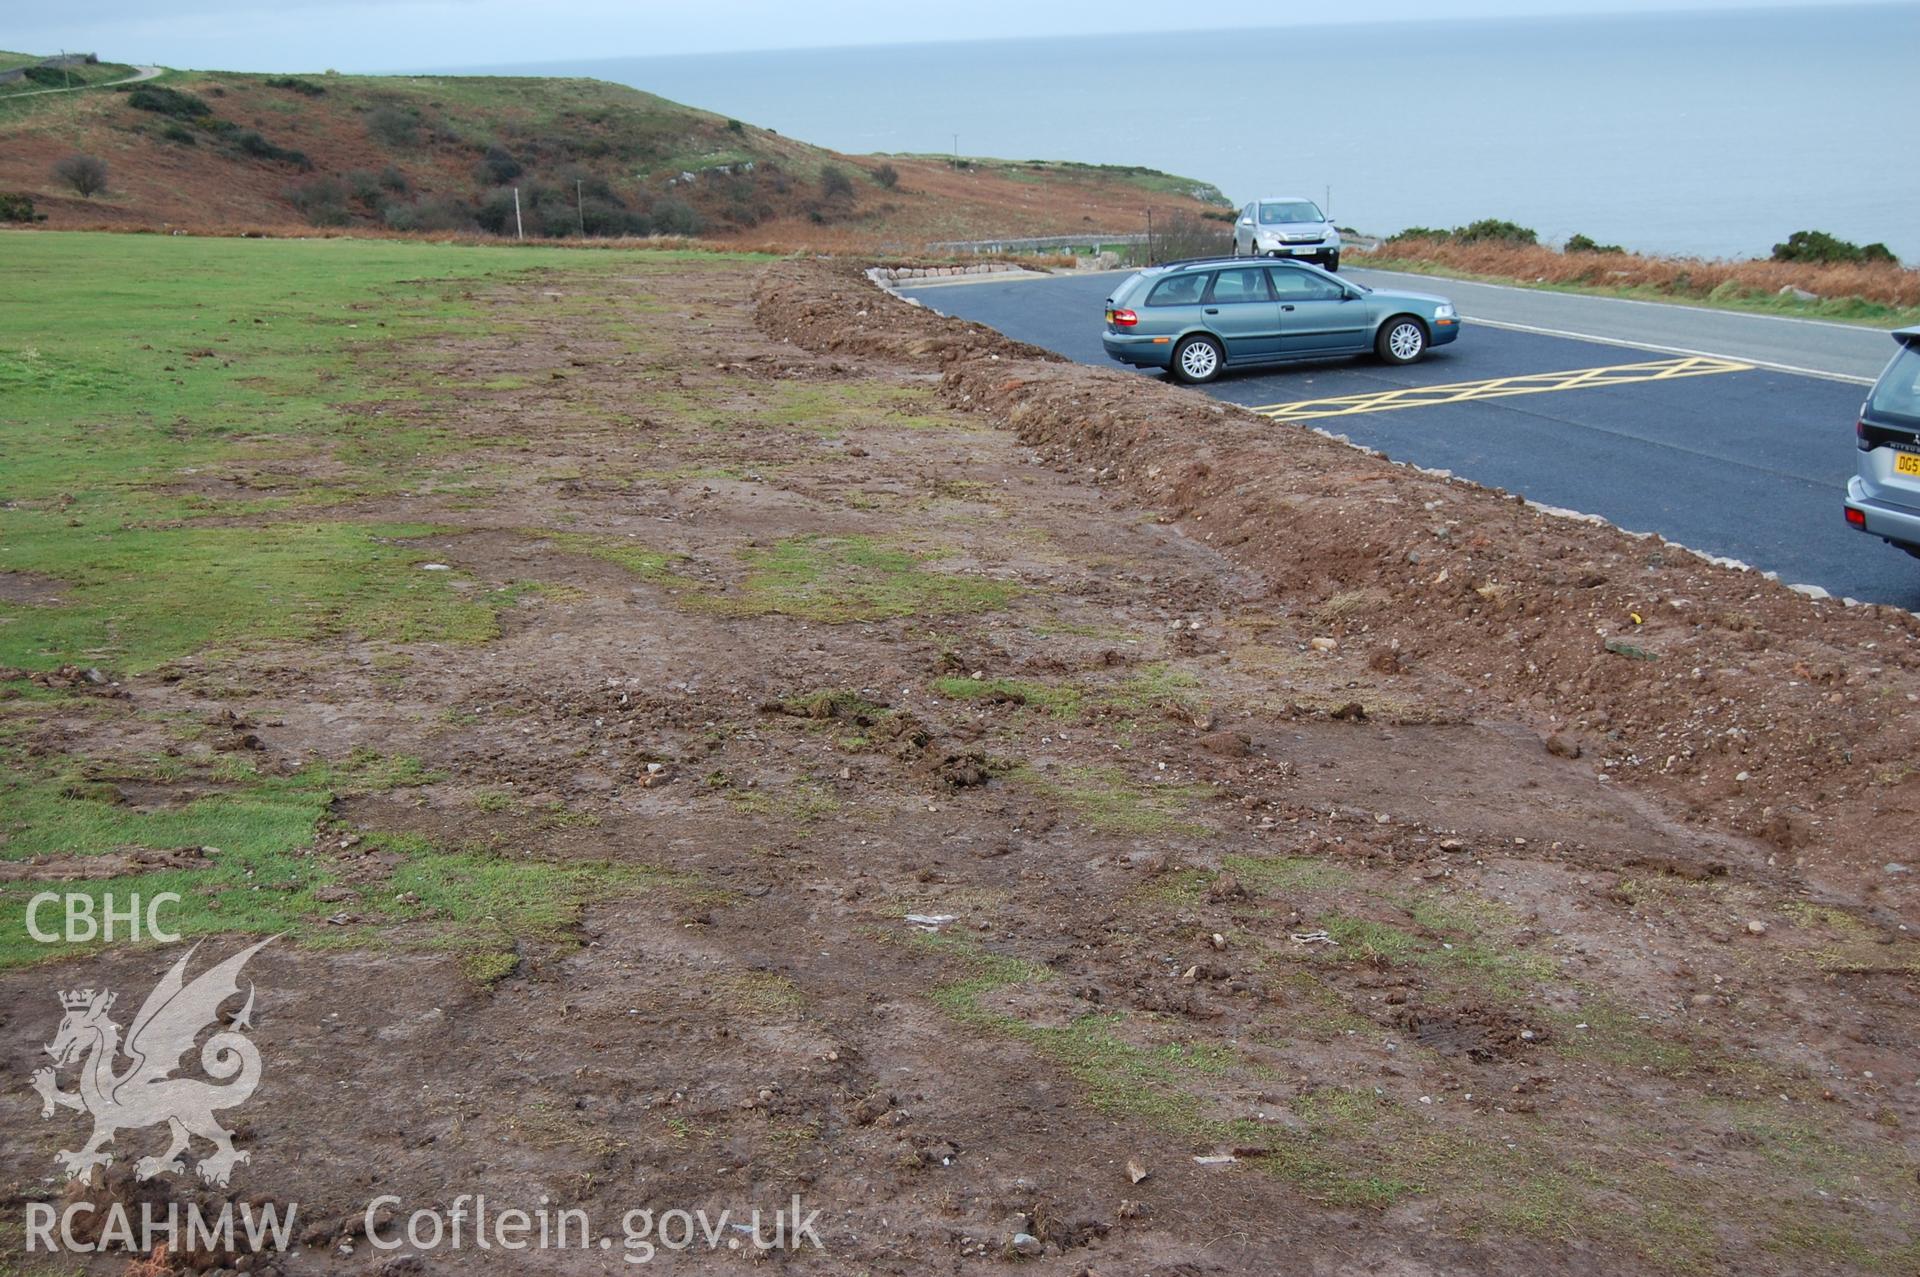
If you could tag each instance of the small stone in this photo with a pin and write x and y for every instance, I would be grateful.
(1135, 1170)
(1027, 1246)
(1561, 747)
(1756, 927)
(1324, 644)
(1227, 744)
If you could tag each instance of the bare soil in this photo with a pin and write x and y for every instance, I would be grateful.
(1290, 808)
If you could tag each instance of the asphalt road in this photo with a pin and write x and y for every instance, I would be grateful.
(1743, 453)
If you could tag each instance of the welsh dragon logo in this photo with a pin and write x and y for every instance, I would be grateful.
(145, 1092)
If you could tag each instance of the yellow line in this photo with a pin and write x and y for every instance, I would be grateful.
(1537, 383)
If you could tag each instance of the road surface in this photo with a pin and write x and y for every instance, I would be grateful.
(140, 73)
(1729, 433)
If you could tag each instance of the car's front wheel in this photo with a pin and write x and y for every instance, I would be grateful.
(1402, 340)
(1197, 360)
(1331, 263)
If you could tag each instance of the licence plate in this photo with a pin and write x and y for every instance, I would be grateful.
(1906, 463)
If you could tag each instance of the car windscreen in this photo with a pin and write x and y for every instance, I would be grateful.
(1280, 212)
(1896, 395)
(1178, 290)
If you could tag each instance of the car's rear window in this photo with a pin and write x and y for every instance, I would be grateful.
(1280, 212)
(1897, 394)
(1178, 290)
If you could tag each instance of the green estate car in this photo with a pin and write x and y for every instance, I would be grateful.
(1198, 318)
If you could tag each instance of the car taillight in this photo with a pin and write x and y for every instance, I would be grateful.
(1124, 319)
(1860, 436)
(1858, 518)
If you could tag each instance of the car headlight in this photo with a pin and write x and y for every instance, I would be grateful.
(1443, 311)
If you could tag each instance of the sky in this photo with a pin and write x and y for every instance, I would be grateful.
(357, 35)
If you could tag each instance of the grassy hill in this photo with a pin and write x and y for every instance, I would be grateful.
(225, 150)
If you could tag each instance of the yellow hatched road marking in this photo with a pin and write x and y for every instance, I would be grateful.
(1537, 383)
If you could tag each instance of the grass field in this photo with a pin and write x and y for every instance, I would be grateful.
(124, 399)
(182, 481)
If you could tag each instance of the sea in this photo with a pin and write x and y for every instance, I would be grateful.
(1709, 134)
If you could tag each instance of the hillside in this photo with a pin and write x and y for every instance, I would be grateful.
(224, 150)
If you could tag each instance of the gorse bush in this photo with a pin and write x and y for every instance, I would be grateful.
(1488, 230)
(19, 208)
(164, 101)
(1577, 243)
(434, 213)
(306, 88)
(498, 167)
(393, 126)
(887, 175)
(1493, 230)
(835, 184)
(253, 143)
(1818, 246)
(323, 201)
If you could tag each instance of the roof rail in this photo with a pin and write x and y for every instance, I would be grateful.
(1195, 261)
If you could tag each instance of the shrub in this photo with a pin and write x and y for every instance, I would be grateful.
(174, 131)
(366, 189)
(1818, 246)
(19, 208)
(887, 175)
(164, 101)
(1578, 243)
(323, 201)
(1182, 236)
(495, 213)
(252, 142)
(1421, 232)
(393, 125)
(498, 167)
(1493, 230)
(734, 126)
(306, 88)
(671, 216)
(437, 213)
(394, 179)
(835, 184)
(52, 76)
(84, 173)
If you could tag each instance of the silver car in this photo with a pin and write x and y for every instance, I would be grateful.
(1883, 498)
(1287, 226)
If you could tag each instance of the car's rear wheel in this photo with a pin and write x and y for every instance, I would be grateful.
(1402, 340)
(1197, 360)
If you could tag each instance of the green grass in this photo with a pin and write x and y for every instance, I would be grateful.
(122, 394)
(1060, 702)
(835, 580)
(260, 872)
(1110, 800)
